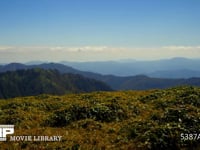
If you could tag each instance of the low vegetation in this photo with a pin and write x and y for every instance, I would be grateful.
(135, 120)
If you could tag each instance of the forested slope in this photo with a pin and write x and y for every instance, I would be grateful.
(38, 81)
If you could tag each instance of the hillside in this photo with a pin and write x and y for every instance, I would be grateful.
(18, 66)
(139, 82)
(135, 120)
(38, 81)
(142, 82)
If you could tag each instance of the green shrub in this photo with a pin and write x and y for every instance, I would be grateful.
(103, 113)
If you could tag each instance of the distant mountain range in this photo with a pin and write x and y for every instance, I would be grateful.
(166, 68)
(138, 82)
(39, 81)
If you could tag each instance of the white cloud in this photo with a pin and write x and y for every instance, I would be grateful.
(93, 53)
(4, 48)
(181, 47)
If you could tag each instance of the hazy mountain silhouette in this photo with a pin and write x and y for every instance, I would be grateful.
(183, 73)
(166, 68)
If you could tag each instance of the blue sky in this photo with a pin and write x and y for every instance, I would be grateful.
(102, 29)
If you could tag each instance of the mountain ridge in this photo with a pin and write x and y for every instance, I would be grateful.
(139, 82)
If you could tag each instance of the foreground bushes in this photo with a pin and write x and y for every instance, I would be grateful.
(102, 113)
(135, 120)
